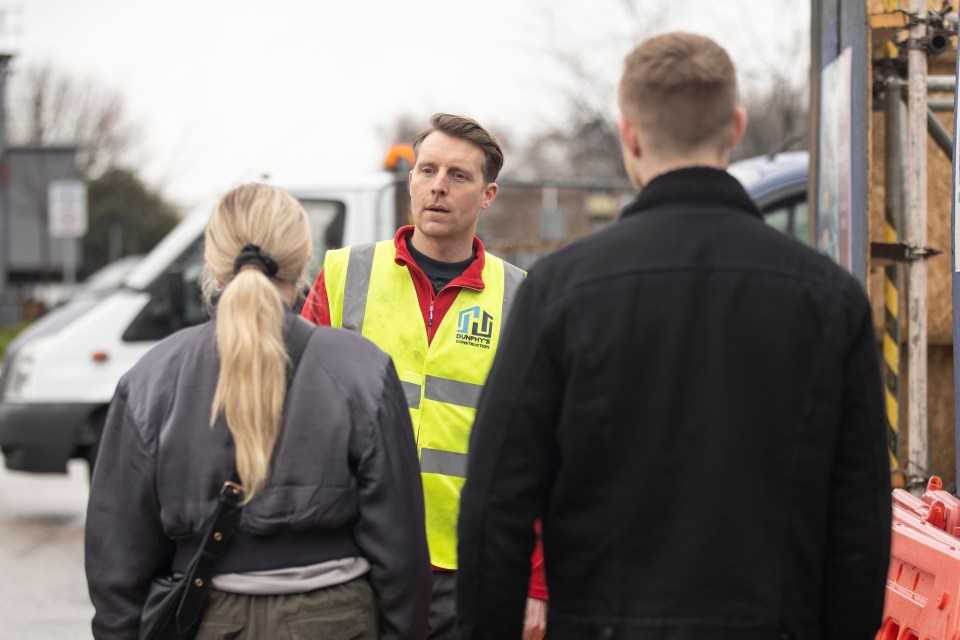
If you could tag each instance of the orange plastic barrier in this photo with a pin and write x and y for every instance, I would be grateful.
(923, 583)
(938, 507)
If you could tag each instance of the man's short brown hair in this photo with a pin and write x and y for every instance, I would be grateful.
(681, 90)
(467, 129)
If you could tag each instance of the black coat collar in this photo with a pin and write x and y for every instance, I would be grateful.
(693, 185)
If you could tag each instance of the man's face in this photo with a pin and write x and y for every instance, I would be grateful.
(448, 189)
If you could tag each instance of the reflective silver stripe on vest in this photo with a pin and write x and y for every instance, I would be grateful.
(445, 463)
(412, 392)
(512, 279)
(359, 266)
(463, 394)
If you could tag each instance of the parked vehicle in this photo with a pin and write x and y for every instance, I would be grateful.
(59, 375)
(778, 184)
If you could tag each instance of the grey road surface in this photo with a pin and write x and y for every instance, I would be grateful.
(43, 592)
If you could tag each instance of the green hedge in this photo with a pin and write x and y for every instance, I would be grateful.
(7, 332)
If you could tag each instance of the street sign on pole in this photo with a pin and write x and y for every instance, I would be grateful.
(67, 208)
(67, 211)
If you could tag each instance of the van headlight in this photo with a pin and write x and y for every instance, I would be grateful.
(20, 368)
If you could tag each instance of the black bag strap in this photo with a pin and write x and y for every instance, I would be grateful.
(215, 540)
(229, 508)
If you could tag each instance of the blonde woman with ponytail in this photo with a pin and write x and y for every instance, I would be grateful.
(331, 541)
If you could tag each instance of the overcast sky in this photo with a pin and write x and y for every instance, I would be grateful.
(226, 90)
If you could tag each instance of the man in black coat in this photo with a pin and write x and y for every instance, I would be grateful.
(691, 402)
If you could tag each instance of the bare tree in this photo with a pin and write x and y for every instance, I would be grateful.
(776, 118)
(47, 107)
(401, 129)
(774, 91)
(583, 149)
(586, 144)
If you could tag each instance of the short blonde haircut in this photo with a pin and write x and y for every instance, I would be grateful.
(250, 313)
(680, 89)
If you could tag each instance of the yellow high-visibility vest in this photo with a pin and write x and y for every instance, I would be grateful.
(370, 294)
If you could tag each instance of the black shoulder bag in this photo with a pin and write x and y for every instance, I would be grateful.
(174, 606)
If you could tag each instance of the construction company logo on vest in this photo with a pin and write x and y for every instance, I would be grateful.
(474, 327)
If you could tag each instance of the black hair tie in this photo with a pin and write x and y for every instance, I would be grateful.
(253, 254)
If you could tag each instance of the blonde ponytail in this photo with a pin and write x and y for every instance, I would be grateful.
(250, 314)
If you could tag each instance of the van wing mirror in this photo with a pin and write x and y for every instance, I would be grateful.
(176, 294)
(175, 302)
(182, 299)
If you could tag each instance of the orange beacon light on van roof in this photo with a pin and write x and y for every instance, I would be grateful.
(397, 153)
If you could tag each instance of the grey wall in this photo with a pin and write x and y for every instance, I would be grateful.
(31, 250)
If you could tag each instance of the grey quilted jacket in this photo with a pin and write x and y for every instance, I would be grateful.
(345, 461)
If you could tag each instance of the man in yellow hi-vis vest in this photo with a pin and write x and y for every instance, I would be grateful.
(436, 302)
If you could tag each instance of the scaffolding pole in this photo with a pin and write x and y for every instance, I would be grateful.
(894, 171)
(916, 235)
(955, 278)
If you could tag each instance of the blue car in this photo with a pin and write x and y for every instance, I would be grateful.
(778, 184)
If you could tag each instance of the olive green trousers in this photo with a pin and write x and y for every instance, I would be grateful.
(343, 612)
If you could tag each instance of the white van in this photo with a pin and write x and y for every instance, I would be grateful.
(59, 374)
